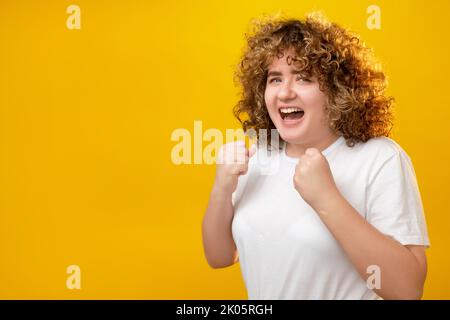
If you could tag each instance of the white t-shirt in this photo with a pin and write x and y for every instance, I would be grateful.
(287, 252)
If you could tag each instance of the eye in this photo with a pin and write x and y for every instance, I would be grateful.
(274, 79)
(304, 79)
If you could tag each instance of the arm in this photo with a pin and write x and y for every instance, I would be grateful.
(403, 268)
(220, 249)
(218, 243)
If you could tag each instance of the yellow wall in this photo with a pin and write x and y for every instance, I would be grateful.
(86, 119)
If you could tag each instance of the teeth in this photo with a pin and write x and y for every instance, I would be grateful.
(290, 110)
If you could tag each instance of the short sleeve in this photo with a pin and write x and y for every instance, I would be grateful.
(394, 204)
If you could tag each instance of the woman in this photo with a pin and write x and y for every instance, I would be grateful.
(339, 215)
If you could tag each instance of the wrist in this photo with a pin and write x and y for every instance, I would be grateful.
(329, 202)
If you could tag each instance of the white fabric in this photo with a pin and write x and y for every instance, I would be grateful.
(287, 252)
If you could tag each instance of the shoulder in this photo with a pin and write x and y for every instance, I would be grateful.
(381, 149)
(380, 154)
(385, 158)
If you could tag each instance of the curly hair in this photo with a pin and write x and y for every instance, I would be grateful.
(357, 107)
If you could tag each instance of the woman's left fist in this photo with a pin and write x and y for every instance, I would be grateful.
(313, 178)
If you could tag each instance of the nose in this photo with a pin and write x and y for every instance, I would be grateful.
(286, 92)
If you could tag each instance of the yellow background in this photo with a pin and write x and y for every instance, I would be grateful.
(86, 118)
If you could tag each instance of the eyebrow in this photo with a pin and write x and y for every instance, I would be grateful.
(278, 73)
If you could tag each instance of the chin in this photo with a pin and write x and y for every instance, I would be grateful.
(292, 140)
(291, 136)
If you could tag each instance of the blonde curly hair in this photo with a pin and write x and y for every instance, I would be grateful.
(357, 107)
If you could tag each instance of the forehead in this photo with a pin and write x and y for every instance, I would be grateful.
(284, 61)
(287, 58)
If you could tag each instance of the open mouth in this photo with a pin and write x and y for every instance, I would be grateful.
(291, 113)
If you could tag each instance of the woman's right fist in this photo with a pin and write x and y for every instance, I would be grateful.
(232, 162)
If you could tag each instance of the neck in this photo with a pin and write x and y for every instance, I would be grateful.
(296, 150)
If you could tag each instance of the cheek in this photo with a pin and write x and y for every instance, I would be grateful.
(267, 96)
(269, 99)
(314, 97)
(317, 104)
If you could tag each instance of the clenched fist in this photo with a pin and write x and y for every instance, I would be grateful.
(313, 178)
(231, 163)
